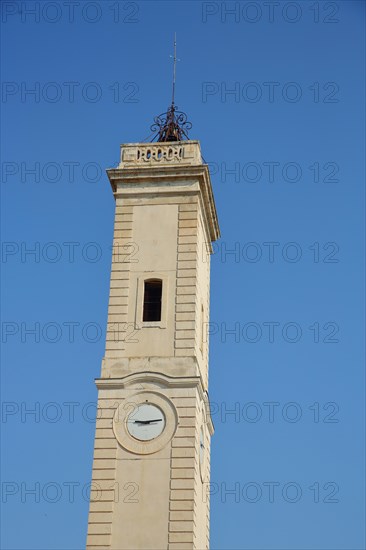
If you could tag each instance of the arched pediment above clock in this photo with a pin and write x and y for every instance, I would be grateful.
(181, 367)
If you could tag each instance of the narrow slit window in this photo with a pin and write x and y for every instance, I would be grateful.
(152, 300)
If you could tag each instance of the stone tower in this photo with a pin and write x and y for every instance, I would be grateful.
(152, 445)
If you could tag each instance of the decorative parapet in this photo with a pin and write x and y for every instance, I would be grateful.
(158, 153)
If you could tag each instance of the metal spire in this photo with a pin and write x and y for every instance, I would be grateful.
(174, 66)
(172, 125)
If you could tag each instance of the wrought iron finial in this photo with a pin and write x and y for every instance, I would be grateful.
(172, 125)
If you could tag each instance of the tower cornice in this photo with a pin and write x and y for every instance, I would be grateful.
(165, 168)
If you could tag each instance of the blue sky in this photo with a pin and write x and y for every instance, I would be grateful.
(285, 149)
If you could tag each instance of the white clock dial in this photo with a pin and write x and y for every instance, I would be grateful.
(146, 422)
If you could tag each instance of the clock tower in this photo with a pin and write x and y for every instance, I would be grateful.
(151, 464)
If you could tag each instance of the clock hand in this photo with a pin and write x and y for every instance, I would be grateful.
(147, 421)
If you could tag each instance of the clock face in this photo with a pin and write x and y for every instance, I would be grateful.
(146, 422)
